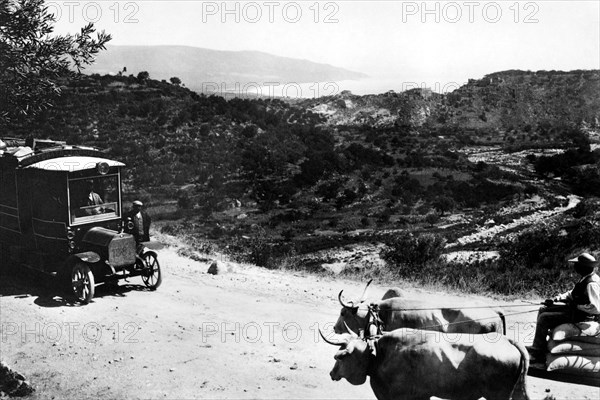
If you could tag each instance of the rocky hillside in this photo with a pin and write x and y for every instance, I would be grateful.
(502, 102)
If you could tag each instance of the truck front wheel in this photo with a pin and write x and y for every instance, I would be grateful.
(82, 283)
(151, 274)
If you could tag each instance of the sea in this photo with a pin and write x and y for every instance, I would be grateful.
(292, 90)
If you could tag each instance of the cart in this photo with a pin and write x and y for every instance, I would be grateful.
(539, 371)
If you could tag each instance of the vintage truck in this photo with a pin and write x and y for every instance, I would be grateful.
(61, 213)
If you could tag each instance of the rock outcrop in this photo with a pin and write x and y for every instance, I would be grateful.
(12, 383)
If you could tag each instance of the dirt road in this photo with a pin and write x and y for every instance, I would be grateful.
(250, 333)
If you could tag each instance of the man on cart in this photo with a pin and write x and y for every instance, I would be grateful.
(582, 303)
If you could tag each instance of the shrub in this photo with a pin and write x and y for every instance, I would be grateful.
(256, 249)
(408, 252)
(384, 216)
(184, 201)
(587, 207)
(444, 203)
(432, 217)
(261, 251)
(288, 234)
(348, 223)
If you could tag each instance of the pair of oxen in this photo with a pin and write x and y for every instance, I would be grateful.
(414, 351)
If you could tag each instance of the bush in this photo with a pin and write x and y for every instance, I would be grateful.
(587, 207)
(432, 218)
(536, 260)
(184, 201)
(384, 216)
(407, 253)
(288, 234)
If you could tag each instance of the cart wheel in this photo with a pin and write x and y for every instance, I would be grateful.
(82, 283)
(151, 273)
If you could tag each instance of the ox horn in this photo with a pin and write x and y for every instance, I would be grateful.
(351, 305)
(335, 343)
(350, 331)
(364, 295)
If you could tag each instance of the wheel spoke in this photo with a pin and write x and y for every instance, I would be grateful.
(151, 273)
(82, 283)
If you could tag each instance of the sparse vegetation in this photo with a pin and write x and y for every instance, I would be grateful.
(217, 170)
(407, 254)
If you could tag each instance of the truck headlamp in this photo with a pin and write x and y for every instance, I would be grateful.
(102, 168)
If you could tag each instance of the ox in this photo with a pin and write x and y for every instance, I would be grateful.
(417, 364)
(392, 292)
(397, 312)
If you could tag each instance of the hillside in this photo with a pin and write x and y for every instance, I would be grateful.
(201, 69)
(338, 183)
(501, 102)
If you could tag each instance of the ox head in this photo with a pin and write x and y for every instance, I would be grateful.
(353, 315)
(352, 359)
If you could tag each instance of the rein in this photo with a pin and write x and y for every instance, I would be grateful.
(380, 326)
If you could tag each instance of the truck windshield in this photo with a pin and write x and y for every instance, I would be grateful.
(94, 198)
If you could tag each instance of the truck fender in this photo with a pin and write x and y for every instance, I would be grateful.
(64, 275)
(145, 251)
(88, 257)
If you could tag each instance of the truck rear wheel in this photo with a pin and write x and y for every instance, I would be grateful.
(82, 283)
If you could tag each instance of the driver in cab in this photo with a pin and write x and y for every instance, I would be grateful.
(93, 199)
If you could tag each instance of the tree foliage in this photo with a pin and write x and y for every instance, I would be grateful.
(444, 203)
(143, 76)
(32, 58)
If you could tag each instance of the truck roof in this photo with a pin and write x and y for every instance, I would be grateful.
(51, 155)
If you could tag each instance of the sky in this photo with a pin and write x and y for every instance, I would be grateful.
(438, 42)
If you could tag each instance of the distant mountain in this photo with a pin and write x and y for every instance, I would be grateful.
(200, 69)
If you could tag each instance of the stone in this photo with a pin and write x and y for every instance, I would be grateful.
(12, 383)
(220, 268)
(216, 269)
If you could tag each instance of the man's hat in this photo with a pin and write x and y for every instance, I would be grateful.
(138, 203)
(584, 259)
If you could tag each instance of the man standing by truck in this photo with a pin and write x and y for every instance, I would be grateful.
(141, 222)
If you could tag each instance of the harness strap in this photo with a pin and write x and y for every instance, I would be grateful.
(375, 321)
